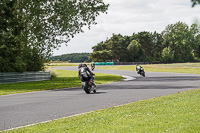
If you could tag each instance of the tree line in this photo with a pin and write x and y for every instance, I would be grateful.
(177, 43)
(73, 58)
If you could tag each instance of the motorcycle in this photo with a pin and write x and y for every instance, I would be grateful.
(141, 72)
(92, 67)
(89, 86)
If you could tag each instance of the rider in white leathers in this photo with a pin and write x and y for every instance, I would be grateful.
(138, 68)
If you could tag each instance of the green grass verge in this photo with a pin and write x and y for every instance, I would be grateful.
(62, 63)
(178, 113)
(193, 68)
(65, 79)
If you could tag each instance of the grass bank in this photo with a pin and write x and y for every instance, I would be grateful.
(193, 68)
(65, 79)
(173, 113)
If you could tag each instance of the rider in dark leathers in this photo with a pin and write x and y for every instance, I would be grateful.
(84, 73)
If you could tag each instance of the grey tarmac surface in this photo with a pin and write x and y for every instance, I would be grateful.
(29, 108)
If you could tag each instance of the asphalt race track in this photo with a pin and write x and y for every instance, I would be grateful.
(29, 108)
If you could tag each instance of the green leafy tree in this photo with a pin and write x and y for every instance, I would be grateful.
(157, 46)
(117, 46)
(167, 55)
(126, 42)
(135, 51)
(101, 52)
(101, 56)
(146, 41)
(197, 46)
(29, 25)
(100, 46)
(179, 38)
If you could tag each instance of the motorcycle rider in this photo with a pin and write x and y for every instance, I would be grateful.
(93, 65)
(85, 74)
(138, 68)
(80, 65)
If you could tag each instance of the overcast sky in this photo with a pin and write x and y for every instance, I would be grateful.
(132, 16)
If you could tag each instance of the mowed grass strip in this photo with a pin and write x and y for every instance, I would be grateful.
(62, 63)
(192, 68)
(178, 113)
(64, 79)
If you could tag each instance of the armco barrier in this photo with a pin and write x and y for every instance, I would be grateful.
(12, 77)
(121, 63)
(104, 63)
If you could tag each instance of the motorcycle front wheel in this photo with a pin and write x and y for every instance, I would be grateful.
(143, 74)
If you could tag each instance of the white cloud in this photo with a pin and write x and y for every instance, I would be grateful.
(131, 16)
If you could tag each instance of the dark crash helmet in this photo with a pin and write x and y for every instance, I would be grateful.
(84, 65)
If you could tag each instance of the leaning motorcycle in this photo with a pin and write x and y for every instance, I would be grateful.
(141, 72)
(92, 67)
(89, 86)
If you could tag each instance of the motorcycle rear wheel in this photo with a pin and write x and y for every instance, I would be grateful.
(87, 89)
